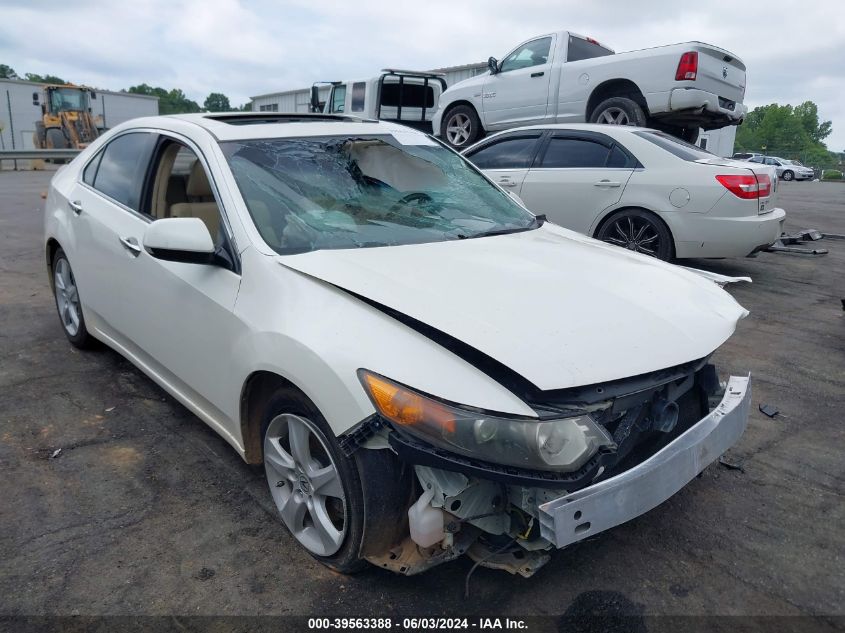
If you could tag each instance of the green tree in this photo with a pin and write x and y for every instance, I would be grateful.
(7, 72)
(217, 102)
(169, 101)
(44, 79)
(781, 130)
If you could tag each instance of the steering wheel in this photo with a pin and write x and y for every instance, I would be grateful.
(416, 196)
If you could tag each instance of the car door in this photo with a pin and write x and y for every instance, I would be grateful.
(505, 159)
(175, 318)
(519, 92)
(576, 176)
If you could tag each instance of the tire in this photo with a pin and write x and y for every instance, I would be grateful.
(650, 235)
(619, 111)
(295, 484)
(55, 139)
(460, 127)
(788, 175)
(68, 305)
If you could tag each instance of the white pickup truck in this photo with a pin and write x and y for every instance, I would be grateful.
(566, 78)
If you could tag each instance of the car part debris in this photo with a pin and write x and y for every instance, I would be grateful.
(515, 561)
(732, 465)
(769, 410)
(786, 243)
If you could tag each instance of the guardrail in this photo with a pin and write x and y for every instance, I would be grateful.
(36, 154)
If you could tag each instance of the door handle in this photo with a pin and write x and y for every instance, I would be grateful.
(607, 183)
(507, 183)
(539, 74)
(131, 245)
(75, 206)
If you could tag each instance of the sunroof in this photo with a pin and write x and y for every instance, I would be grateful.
(262, 119)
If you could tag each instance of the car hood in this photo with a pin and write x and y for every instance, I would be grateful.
(560, 309)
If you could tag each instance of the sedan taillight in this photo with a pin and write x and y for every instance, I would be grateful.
(748, 187)
(687, 67)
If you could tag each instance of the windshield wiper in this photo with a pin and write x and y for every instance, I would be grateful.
(536, 223)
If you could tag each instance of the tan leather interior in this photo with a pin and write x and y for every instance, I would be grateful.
(202, 204)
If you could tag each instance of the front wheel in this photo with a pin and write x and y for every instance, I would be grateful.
(788, 175)
(639, 231)
(619, 111)
(315, 487)
(460, 127)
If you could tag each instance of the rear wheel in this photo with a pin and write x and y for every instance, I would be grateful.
(639, 231)
(315, 486)
(68, 304)
(460, 127)
(788, 175)
(619, 111)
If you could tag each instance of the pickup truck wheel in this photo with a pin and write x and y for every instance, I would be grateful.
(460, 127)
(619, 111)
(788, 175)
(316, 488)
(639, 231)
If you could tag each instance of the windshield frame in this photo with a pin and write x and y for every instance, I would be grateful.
(532, 220)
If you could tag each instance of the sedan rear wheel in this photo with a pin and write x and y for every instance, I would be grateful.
(639, 231)
(68, 304)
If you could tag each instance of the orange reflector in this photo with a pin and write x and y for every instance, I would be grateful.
(405, 407)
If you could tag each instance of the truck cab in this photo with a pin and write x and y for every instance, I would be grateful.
(66, 118)
(401, 96)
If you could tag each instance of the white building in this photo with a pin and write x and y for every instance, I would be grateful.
(18, 114)
(719, 142)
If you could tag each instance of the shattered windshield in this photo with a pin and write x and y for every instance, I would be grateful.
(308, 194)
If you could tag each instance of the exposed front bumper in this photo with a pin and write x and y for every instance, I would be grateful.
(609, 503)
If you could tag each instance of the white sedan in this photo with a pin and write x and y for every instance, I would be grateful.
(637, 188)
(424, 368)
(786, 169)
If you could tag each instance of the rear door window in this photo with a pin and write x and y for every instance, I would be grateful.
(123, 167)
(509, 153)
(574, 152)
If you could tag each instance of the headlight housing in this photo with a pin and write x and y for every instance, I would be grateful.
(563, 444)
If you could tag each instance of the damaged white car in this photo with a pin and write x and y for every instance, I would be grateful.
(424, 368)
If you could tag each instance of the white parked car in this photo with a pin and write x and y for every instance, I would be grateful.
(637, 188)
(563, 77)
(786, 169)
(424, 368)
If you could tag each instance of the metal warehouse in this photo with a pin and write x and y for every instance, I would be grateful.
(720, 142)
(18, 113)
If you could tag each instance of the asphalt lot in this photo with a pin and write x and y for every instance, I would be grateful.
(147, 511)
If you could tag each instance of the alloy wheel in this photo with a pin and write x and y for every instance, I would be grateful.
(458, 129)
(614, 116)
(67, 296)
(305, 483)
(635, 234)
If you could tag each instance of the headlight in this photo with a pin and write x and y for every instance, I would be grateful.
(563, 444)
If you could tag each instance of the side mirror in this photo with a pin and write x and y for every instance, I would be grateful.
(185, 240)
(315, 99)
(493, 65)
(35, 98)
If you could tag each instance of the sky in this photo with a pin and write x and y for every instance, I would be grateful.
(794, 51)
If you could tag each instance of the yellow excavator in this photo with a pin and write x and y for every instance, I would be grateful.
(66, 118)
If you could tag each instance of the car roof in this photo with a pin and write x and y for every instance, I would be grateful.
(235, 126)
